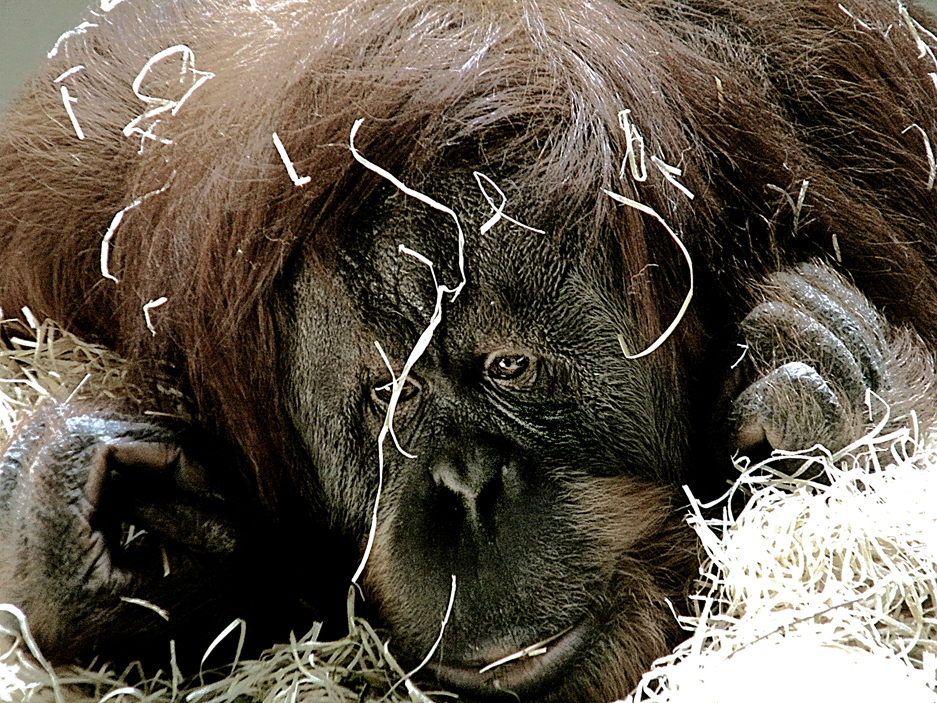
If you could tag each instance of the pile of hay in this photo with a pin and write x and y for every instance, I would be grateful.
(817, 590)
(43, 364)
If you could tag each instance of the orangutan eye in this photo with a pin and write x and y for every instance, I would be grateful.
(514, 369)
(382, 394)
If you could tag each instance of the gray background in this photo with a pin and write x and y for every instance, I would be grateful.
(29, 28)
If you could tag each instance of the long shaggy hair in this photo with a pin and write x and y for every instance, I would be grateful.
(753, 102)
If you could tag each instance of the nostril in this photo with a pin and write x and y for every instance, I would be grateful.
(466, 493)
(447, 476)
(487, 497)
(476, 480)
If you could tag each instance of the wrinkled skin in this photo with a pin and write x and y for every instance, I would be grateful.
(533, 461)
(518, 441)
(534, 477)
(540, 469)
(107, 507)
(821, 347)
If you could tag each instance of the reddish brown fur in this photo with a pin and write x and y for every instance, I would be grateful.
(544, 82)
(746, 96)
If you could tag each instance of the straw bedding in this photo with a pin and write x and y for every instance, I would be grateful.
(813, 589)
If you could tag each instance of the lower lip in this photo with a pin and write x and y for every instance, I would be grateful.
(522, 676)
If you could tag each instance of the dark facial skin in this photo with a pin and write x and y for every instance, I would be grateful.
(536, 442)
(546, 465)
(545, 472)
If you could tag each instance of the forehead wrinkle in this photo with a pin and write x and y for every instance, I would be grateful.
(523, 273)
(404, 303)
(517, 295)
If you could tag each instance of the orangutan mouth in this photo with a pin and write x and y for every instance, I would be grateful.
(517, 672)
